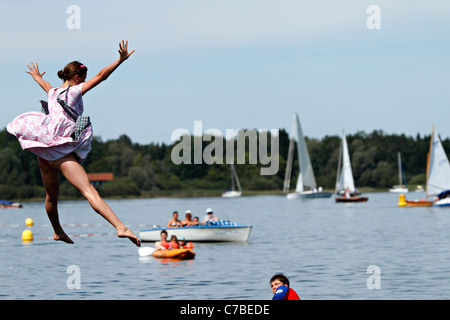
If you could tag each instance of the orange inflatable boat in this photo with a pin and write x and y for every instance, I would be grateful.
(174, 254)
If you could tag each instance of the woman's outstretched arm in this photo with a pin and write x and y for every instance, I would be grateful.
(106, 72)
(37, 76)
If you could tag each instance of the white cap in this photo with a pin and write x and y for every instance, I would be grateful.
(188, 211)
(209, 210)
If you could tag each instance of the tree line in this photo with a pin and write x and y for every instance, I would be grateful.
(148, 170)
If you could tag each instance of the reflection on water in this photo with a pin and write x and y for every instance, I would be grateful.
(323, 247)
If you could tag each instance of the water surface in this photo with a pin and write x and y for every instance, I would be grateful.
(323, 247)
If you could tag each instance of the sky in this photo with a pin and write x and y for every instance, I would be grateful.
(237, 64)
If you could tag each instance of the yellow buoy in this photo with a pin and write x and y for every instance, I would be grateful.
(27, 236)
(29, 222)
(401, 200)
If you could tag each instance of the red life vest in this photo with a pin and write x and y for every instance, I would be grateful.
(291, 295)
(164, 244)
(189, 246)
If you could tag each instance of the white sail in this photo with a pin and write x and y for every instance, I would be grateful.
(307, 174)
(401, 187)
(287, 175)
(234, 181)
(305, 177)
(299, 185)
(438, 167)
(346, 176)
(235, 178)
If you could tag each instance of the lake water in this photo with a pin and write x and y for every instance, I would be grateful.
(325, 249)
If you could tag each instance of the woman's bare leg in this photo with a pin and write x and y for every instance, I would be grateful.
(51, 185)
(76, 175)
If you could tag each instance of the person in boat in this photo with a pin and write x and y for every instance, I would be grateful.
(347, 193)
(173, 244)
(162, 244)
(188, 221)
(195, 221)
(280, 288)
(209, 216)
(184, 245)
(174, 222)
(62, 143)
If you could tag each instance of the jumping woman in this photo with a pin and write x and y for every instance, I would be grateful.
(61, 145)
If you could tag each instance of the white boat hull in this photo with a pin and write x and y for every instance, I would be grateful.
(442, 203)
(9, 204)
(443, 199)
(308, 195)
(239, 233)
(399, 190)
(231, 194)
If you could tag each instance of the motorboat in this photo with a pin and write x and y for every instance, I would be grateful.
(9, 204)
(213, 231)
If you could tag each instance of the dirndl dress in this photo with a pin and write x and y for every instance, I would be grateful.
(51, 134)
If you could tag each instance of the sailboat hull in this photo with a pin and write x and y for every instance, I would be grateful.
(443, 199)
(309, 195)
(399, 190)
(442, 203)
(231, 194)
(351, 199)
(419, 203)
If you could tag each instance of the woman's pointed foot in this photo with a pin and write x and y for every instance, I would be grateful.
(62, 237)
(126, 233)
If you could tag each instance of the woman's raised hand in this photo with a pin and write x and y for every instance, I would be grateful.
(37, 76)
(34, 70)
(123, 50)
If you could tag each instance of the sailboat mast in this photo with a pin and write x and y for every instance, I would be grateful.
(287, 177)
(236, 178)
(399, 169)
(232, 176)
(428, 160)
(338, 175)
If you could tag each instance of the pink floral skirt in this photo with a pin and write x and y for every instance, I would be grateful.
(50, 136)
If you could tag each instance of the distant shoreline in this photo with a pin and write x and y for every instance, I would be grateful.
(195, 194)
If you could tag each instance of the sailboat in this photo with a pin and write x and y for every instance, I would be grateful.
(234, 181)
(401, 187)
(306, 175)
(345, 185)
(438, 175)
